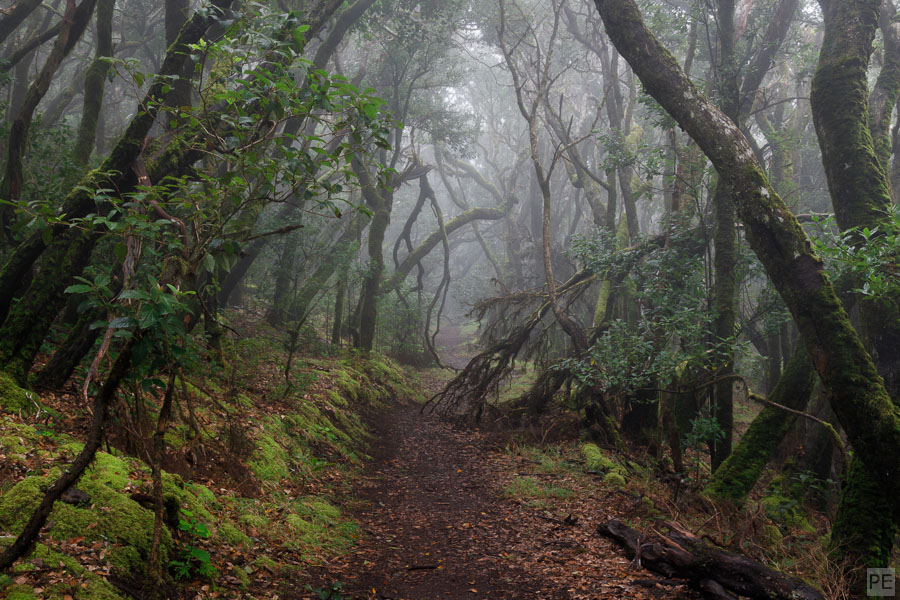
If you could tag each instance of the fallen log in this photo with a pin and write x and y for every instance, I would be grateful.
(711, 570)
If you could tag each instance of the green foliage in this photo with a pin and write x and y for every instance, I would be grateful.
(332, 592)
(192, 561)
(705, 431)
(672, 337)
(869, 257)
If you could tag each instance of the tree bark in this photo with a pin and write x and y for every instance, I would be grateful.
(75, 21)
(16, 16)
(94, 83)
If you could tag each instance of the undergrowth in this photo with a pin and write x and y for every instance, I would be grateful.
(255, 480)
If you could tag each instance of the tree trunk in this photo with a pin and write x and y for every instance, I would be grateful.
(681, 554)
(739, 472)
(74, 348)
(75, 21)
(94, 82)
(15, 16)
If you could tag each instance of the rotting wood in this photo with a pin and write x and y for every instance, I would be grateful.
(683, 555)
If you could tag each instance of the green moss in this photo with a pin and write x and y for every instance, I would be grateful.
(203, 493)
(770, 534)
(298, 524)
(523, 488)
(19, 592)
(737, 475)
(125, 558)
(233, 535)
(12, 444)
(270, 460)
(787, 512)
(614, 478)
(112, 515)
(241, 575)
(14, 398)
(337, 399)
(91, 586)
(257, 522)
(350, 386)
(188, 496)
(863, 528)
(264, 562)
(596, 460)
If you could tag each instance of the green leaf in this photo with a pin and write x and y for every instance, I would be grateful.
(79, 288)
(122, 323)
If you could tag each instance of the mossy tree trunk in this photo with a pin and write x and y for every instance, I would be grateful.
(856, 171)
(379, 201)
(737, 87)
(115, 172)
(859, 397)
(737, 475)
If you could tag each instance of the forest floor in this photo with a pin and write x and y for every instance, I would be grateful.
(439, 526)
(451, 513)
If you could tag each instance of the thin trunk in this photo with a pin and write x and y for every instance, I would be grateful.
(94, 82)
(154, 568)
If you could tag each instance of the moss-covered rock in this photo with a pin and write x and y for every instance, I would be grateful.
(270, 459)
(194, 498)
(233, 535)
(107, 469)
(92, 587)
(596, 460)
(614, 478)
(111, 515)
(14, 398)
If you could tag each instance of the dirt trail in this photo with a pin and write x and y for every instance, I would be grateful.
(434, 526)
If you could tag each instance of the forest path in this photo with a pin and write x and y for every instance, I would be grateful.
(435, 527)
